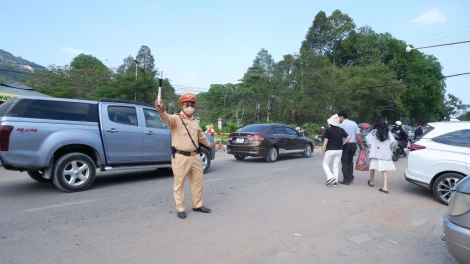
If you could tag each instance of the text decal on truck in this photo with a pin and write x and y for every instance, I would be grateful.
(24, 130)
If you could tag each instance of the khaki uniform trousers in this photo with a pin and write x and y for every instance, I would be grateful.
(187, 166)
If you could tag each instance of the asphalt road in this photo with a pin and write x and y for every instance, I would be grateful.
(278, 212)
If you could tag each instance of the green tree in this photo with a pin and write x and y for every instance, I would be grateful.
(341, 27)
(318, 35)
(452, 107)
(83, 61)
(146, 60)
(265, 61)
(464, 117)
(128, 66)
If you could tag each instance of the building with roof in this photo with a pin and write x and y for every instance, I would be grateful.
(12, 90)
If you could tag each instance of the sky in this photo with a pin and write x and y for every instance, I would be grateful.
(198, 43)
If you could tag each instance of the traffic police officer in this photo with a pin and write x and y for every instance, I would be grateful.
(186, 159)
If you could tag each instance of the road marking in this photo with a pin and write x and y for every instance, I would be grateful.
(219, 179)
(57, 205)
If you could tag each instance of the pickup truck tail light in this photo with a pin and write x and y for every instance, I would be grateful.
(414, 147)
(5, 132)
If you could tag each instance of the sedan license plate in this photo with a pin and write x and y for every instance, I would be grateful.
(239, 140)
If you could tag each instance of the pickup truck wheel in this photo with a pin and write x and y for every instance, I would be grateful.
(37, 176)
(74, 172)
(205, 159)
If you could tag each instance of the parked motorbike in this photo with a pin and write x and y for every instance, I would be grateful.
(399, 148)
(318, 140)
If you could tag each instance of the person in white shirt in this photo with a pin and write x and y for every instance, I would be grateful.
(380, 141)
(349, 149)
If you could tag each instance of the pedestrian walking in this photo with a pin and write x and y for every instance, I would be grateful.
(186, 137)
(349, 149)
(335, 139)
(380, 141)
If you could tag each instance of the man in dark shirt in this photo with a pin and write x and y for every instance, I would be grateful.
(418, 133)
(402, 136)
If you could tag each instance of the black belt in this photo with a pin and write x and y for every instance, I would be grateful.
(186, 153)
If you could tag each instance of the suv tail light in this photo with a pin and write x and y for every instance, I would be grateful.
(414, 147)
(229, 137)
(256, 137)
(5, 132)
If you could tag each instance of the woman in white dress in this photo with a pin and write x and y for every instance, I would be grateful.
(380, 140)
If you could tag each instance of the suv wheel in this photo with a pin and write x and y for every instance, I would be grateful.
(74, 172)
(239, 157)
(37, 176)
(205, 159)
(272, 154)
(307, 151)
(443, 185)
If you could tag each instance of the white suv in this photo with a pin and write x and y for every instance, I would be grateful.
(440, 158)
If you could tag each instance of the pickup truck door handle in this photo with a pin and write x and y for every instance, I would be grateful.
(149, 133)
(112, 130)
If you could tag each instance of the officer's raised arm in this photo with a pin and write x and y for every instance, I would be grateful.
(167, 118)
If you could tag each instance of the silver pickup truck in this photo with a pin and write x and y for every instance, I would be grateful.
(66, 140)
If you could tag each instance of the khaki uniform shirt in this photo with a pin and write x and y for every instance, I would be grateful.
(179, 136)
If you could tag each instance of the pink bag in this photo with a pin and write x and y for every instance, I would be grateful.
(362, 163)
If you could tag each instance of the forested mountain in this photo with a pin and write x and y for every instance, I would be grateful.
(14, 68)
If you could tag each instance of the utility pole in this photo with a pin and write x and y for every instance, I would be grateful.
(269, 109)
(135, 89)
(257, 109)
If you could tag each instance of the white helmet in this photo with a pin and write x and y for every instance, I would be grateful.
(297, 128)
(322, 127)
(398, 123)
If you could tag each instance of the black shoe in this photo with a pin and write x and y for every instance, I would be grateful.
(202, 209)
(330, 180)
(181, 215)
(345, 182)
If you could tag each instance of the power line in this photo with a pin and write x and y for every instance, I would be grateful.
(439, 45)
(446, 38)
(439, 33)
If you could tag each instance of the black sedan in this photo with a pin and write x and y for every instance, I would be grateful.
(268, 141)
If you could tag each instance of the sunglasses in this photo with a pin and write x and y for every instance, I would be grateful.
(189, 104)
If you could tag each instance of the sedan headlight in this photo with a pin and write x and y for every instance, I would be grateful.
(459, 204)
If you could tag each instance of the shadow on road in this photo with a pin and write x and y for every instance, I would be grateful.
(28, 187)
(122, 177)
(418, 192)
(263, 160)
